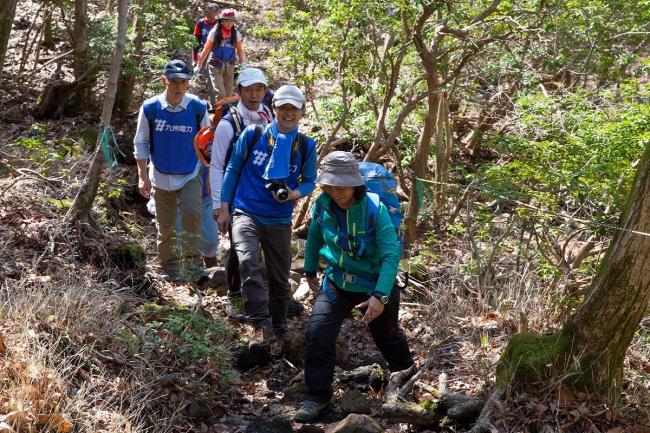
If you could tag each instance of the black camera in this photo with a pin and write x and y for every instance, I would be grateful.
(279, 188)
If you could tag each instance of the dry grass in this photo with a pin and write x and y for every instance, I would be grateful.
(49, 380)
(472, 324)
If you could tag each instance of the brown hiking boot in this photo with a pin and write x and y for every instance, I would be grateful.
(262, 337)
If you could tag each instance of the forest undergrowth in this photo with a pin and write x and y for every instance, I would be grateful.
(91, 340)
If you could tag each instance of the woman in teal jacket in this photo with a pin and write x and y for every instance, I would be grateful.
(362, 258)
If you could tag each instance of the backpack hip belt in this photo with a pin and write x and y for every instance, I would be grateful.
(348, 277)
(221, 64)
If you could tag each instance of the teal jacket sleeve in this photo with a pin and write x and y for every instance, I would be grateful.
(315, 241)
(388, 249)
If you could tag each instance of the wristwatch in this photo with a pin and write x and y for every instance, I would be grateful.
(382, 298)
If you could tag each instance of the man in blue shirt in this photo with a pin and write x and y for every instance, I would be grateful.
(271, 167)
(167, 124)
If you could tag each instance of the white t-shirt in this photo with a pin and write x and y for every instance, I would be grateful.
(223, 135)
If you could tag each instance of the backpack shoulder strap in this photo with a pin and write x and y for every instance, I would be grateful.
(233, 36)
(252, 139)
(372, 211)
(236, 121)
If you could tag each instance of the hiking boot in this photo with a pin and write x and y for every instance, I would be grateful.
(209, 262)
(262, 337)
(295, 308)
(310, 411)
(235, 309)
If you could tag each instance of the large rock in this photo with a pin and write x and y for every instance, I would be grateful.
(358, 424)
(354, 401)
(293, 348)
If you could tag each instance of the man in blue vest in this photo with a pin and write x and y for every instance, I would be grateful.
(270, 168)
(167, 124)
(202, 28)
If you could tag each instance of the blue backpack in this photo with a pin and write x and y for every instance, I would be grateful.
(379, 181)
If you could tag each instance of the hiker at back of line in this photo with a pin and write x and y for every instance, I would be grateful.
(224, 47)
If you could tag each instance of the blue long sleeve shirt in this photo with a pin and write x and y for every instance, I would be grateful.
(244, 185)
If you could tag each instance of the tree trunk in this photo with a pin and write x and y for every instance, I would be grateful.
(84, 199)
(420, 165)
(428, 56)
(80, 38)
(129, 77)
(7, 13)
(591, 346)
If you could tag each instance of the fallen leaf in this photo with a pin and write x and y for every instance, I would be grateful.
(3, 347)
(616, 430)
(565, 397)
(64, 427)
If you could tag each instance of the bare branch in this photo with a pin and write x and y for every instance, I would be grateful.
(486, 13)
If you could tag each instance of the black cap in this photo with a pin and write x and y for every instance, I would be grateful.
(177, 69)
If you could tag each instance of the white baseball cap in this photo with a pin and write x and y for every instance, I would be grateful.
(289, 94)
(250, 76)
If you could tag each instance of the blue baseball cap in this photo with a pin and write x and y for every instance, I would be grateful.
(177, 69)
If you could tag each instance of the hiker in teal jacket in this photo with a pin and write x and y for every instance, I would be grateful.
(362, 257)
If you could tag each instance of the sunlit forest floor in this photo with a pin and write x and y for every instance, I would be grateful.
(92, 340)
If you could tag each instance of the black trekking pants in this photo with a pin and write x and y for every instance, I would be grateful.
(324, 325)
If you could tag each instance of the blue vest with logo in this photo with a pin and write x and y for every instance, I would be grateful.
(205, 27)
(252, 196)
(172, 135)
(225, 51)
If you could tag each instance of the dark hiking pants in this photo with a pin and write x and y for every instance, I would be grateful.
(324, 325)
(263, 307)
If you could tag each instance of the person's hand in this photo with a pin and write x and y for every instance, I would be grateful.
(215, 214)
(314, 284)
(292, 194)
(144, 186)
(223, 221)
(373, 307)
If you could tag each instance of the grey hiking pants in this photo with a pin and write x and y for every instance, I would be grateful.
(264, 307)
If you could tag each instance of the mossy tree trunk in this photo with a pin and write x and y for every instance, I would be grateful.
(591, 345)
(82, 204)
(7, 13)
